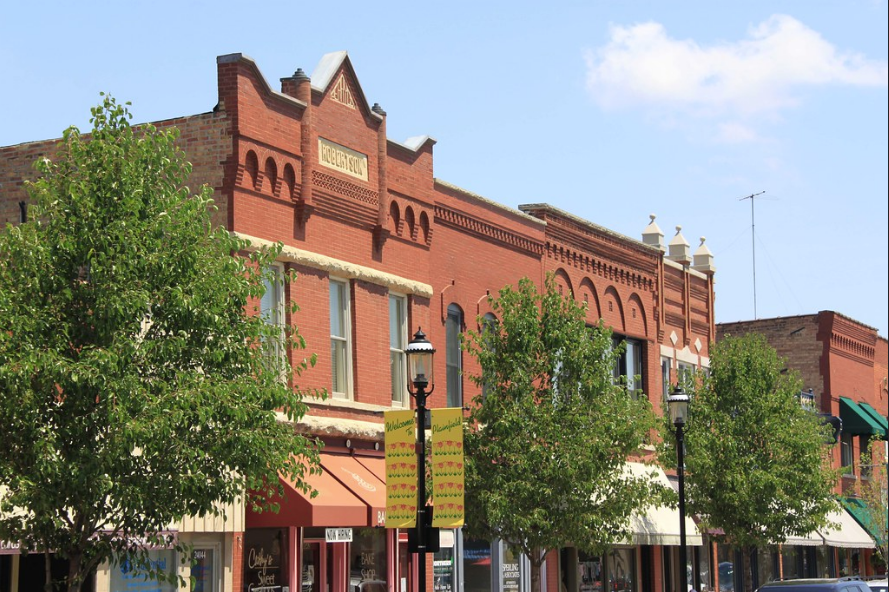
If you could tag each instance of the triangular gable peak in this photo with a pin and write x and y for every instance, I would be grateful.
(334, 78)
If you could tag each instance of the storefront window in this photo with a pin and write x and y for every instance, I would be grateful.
(125, 579)
(725, 555)
(791, 562)
(443, 570)
(621, 570)
(589, 572)
(264, 550)
(510, 574)
(203, 570)
(367, 560)
(477, 565)
(766, 566)
(702, 555)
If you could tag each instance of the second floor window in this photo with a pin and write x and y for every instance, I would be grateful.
(629, 364)
(271, 308)
(340, 339)
(397, 343)
(665, 376)
(847, 454)
(453, 355)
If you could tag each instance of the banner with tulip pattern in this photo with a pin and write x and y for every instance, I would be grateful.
(447, 467)
(401, 468)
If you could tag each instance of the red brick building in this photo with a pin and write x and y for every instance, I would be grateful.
(843, 365)
(382, 247)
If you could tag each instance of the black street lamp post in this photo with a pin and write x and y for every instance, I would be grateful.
(420, 355)
(678, 403)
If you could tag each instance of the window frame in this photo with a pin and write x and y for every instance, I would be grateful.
(345, 339)
(399, 387)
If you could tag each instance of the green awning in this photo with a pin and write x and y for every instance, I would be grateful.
(881, 421)
(858, 509)
(857, 421)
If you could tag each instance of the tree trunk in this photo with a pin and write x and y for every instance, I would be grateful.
(749, 576)
(75, 577)
(47, 564)
(537, 559)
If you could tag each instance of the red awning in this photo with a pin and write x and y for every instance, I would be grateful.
(334, 505)
(361, 481)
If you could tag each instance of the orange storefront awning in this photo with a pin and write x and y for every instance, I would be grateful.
(361, 481)
(334, 505)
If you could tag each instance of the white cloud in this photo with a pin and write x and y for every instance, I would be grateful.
(733, 132)
(642, 66)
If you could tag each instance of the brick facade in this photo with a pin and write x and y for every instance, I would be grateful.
(311, 166)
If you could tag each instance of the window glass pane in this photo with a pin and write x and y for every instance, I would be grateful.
(270, 302)
(476, 565)
(589, 572)
(123, 578)
(397, 337)
(443, 570)
(396, 322)
(511, 575)
(367, 560)
(336, 309)
(338, 363)
(665, 376)
(203, 570)
(453, 326)
(622, 570)
(399, 377)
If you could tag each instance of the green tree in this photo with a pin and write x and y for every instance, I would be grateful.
(547, 442)
(873, 491)
(134, 385)
(757, 466)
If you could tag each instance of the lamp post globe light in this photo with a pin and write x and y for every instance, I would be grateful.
(421, 383)
(678, 404)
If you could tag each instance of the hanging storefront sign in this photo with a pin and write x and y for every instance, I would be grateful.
(338, 535)
(447, 467)
(401, 469)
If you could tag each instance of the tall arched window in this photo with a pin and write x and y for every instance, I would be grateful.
(453, 356)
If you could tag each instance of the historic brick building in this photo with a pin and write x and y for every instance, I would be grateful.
(843, 365)
(381, 248)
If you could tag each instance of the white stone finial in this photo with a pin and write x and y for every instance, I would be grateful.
(652, 216)
(703, 239)
(678, 229)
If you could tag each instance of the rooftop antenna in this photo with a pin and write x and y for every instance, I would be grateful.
(752, 199)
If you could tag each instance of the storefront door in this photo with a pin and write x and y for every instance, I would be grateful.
(315, 573)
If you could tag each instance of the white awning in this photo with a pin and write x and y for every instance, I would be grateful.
(659, 525)
(849, 534)
(813, 539)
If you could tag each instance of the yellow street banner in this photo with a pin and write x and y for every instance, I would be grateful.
(447, 467)
(401, 469)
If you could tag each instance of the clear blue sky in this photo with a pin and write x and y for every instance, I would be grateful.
(609, 109)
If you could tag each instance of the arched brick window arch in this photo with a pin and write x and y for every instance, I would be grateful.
(251, 165)
(289, 180)
(395, 217)
(410, 221)
(424, 227)
(271, 174)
